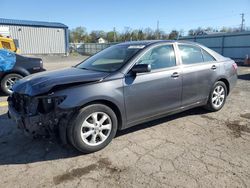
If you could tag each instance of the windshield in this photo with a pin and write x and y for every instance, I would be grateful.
(110, 59)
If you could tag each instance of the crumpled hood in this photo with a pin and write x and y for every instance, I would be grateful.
(40, 83)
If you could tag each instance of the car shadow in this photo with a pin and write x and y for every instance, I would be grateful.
(244, 77)
(195, 111)
(2, 94)
(16, 148)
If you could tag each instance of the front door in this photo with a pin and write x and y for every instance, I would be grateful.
(156, 92)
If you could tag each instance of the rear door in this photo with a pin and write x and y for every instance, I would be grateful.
(199, 70)
(156, 92)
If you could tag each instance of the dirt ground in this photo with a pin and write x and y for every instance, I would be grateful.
(191, 149)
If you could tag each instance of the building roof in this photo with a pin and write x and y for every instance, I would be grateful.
(4, 21)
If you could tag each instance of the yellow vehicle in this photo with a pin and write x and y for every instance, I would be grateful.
(8, 43)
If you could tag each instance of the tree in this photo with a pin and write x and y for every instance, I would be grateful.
(78, 35)
(111, 36)
(200, 31)
(173, 35)
(227, 29)
(191, 32)
(134, 34)
(164, 36)
(141, 35)
(149, 34)
(181, 33)
(126, 35)
(94, 35)
(209, 29)
(160, 34)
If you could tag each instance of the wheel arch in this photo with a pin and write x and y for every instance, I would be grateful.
(226, 82)
(20, 71)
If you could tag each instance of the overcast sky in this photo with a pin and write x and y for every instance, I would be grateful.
(106, 14)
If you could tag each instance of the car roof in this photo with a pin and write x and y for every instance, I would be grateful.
(150, 42)
(143, 42)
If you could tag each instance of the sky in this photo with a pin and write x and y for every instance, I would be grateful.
(136, 14)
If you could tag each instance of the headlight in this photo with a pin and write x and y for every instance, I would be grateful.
(54, 100)
(47, 104)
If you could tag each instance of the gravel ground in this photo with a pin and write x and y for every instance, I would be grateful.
(190, 149)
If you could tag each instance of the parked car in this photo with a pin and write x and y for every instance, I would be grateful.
(119, 87)
(14, 67)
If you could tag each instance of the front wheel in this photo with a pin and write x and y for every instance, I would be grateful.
(92, 128)
(217, 97)
(8, 81)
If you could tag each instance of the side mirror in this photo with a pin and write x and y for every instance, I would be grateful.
(140, 68)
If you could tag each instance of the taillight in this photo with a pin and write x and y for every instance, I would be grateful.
(235, 66)
(41, 63)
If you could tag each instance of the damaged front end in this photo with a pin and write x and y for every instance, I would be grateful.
(38, 115)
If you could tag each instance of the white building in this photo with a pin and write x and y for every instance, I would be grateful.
(5, 31)
(101, 40)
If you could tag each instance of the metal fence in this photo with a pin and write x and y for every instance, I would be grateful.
(233, 45)
(89, 48)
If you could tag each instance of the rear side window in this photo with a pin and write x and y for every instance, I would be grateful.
(159, 57)
(190, 54)
(207, 57)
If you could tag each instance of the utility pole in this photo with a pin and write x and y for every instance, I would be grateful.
(242, 21)
(158, 30)
(114, 30)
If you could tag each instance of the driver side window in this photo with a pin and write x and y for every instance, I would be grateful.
(159, 57)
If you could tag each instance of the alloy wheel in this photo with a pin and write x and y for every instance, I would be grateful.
(96, 128)
(218, 96)
(10, 82)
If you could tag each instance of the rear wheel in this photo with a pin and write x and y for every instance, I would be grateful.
(217, 97)
(8, 81)
(92, 128)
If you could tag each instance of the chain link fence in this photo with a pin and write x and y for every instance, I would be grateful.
(88, 48)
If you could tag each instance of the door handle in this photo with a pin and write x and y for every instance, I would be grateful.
(175, 75)
(213, 67)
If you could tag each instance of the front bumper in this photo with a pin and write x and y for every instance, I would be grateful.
(42, 125)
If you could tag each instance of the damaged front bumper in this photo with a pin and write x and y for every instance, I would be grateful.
(36, 123)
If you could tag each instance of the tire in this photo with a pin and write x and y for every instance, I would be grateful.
(8, 81)
(92, 128)
(216, 102)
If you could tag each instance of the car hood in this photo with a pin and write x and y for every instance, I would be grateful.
(41, 83)
(20, 58)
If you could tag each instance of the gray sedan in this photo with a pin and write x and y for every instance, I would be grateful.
(121, 86)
